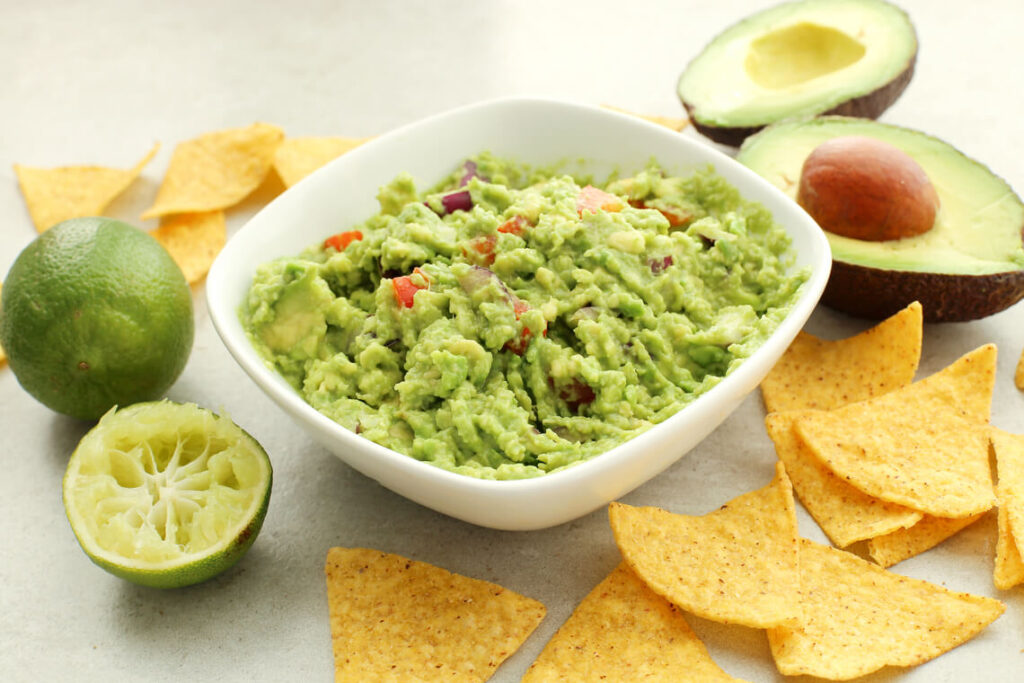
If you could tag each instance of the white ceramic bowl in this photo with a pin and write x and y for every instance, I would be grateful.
(535, 131)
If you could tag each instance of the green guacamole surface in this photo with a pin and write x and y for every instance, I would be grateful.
(510, 322)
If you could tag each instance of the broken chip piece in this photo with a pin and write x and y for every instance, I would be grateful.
(193, 240)
(216, 170)
(398, 619)
(736, 565)
(54, 195)
(1009, 567)
(845, 513)
(623, 631)
(296, 158)
(820, 374)
(859, 618)
(672, 123)
(924, 446)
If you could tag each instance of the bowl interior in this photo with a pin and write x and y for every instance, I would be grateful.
(542, 132)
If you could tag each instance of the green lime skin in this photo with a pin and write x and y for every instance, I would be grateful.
(95, 313)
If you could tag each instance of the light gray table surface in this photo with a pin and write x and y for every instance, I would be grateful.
(99, 82)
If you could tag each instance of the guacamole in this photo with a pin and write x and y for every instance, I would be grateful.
(513, 321)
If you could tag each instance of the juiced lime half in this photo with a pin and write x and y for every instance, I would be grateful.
(166, 494)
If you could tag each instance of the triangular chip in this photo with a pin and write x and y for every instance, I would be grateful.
(193, 240)
(216, 170)
(669, 122)
(58, 194)
(736, 565)
(1009, 448)
(1009, 567)
(859, 618)
(845, 513)
(398, 619)
(924, 446)
(296, 158)
(623, 631)
(820, 374)
(1018, 375)
(903, 544)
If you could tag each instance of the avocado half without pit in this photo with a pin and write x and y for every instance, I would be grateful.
(800, 59)
(908, 217)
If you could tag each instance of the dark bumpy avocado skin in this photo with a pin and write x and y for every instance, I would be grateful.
(874, 293)
(869, 106)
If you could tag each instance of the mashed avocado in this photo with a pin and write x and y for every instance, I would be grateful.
(511, 322)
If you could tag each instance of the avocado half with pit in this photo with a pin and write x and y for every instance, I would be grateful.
(968, 265)
(800, 59)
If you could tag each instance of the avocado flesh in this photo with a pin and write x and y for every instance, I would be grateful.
(800, 59)
(970, 264)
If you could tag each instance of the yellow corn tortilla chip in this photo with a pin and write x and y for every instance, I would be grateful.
(845, 513)
(193, 240)
(1018, 375)
(859, 618)
(667, 121)
(820, 374)
(623, 631)
(924, 446)
(296, 158)
(216, 170)
(397, 619)
(903, 544)
(736, 565)
(1009, 568)
(54, 195)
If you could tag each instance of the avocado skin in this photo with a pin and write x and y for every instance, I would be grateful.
(874, 293)
(869, 106)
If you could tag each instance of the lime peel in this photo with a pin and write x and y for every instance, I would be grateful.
(166, 494)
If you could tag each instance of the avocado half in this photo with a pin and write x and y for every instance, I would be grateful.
(969, 265)
(800, 59)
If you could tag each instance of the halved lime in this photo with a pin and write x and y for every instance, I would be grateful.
(166, 494)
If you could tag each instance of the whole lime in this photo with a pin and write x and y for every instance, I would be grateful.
(95, 313)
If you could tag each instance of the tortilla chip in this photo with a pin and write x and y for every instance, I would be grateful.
(623, 631)
(845, 513)
(216, 170)
(1009, 448)
(193, 240)
(859, 618)
(820, 374)
(736, 565)
(397, 619)
(1018, 375)
(924, 446)
(296, 158)
(669, 122)
(58, 194)
(1009, 567)
(903, 544)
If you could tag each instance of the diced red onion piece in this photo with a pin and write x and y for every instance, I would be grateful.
(470, 172)
(457, 201)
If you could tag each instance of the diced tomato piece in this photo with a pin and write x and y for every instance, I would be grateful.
(343, 239)
(676, 217)
(518, 346)
(481, 249)
(514, 225)
(593, 200)
(405, 288)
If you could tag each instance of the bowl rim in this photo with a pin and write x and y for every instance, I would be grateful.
(289, 400)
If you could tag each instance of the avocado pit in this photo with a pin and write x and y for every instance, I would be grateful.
(863, 188)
